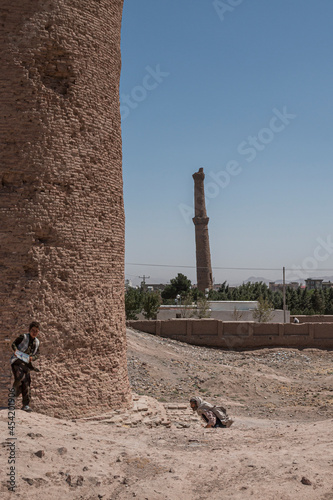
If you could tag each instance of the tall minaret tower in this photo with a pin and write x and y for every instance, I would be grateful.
(62, 220)
(204, 266)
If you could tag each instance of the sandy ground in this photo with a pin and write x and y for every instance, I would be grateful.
(281, 400)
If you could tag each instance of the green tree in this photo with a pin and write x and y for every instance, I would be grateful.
(133, 303)
(264, 311)
(197, 294)
(213, 295)
(277, 300)
(292, 300)
(203, 308)
(329, 301)
(305, 302)
(223, 288)
(237, 314)
(187, 307)
(317, 302)
(180, 285)
(150, 304)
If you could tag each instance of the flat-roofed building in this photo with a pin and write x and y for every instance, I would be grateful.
(314, 283)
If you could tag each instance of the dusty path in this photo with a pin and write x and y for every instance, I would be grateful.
(274, 443)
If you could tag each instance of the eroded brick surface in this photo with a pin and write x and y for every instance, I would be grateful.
(61, 199)
(204, 266)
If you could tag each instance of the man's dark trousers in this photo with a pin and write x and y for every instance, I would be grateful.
(22, 381)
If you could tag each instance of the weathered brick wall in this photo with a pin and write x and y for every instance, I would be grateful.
(203, 260)
(240, 335)
(62, 216)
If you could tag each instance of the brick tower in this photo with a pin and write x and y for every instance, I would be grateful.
(61, 200)
(204, 267)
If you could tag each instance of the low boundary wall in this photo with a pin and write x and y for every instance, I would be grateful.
(315, 318)
(240, 335)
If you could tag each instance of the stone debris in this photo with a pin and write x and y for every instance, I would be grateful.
(40, 453)
(149, 412)
(74, 481)
(35, 481)
(62, 450)
(33, 435)
(306, 481)
(29, 480)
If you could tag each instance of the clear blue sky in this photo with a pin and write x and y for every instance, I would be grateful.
(205, 88)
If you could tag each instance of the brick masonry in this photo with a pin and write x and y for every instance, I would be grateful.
(61, 195)
(204, 267)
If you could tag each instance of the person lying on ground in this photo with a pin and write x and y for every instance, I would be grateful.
(213, 416)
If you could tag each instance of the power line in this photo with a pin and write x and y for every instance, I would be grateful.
(175, 266)
(232, 268)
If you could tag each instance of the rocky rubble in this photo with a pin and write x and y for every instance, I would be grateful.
(268, 382)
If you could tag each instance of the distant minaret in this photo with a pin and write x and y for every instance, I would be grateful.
(204, 266)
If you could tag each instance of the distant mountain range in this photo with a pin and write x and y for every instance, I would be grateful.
(257, 279)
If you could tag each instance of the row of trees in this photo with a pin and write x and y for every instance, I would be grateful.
(304, 301)
(137, 301)
(300, 301)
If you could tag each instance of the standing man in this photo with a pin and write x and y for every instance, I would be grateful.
(28, 344)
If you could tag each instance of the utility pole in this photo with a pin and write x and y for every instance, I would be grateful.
(284, 295)
(144, 277)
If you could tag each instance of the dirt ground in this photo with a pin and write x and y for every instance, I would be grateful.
(279, 447)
